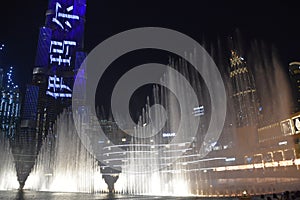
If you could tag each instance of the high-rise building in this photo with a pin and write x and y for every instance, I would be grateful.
(29, 111)
(44, 42)
(59, 55)
(10, 106)
(294, 72)
(28, 142)
(1, 70)
(1, 78)
(244, 101)
(244, 91)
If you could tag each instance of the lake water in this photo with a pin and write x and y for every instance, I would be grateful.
(31, 195)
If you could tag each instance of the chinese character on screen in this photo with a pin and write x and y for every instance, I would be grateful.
(60, 16)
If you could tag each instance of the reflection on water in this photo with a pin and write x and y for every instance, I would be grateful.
(31, 195)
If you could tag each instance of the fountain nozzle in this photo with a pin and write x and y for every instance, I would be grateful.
(21, 185)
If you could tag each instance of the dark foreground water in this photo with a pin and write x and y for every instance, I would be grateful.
(28, 195)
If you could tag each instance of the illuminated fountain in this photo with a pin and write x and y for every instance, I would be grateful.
(63, 164)
(156, 165)
(168, 163)
(147, 167)
(8, 175)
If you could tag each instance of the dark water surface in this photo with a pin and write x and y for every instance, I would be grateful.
(26, 195)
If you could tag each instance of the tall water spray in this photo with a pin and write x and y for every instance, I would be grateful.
(8, 175)
(147, 165)
(63, 164)
(159, 165)
(156, 165)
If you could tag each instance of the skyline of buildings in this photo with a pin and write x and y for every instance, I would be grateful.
(59, 56)
(59, 65)
(49, 62)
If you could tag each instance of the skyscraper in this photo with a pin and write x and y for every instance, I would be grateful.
(59, 55)
(28, 142)
(10, 105)
(60, 48)
(244, 101)
(1, 78)
(244, 91)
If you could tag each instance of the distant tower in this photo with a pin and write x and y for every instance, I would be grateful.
(10, 106)
(1, 70)
(1, 78)
(243, 91)
(294, 72)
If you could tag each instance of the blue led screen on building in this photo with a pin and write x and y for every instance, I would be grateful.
(66, 19)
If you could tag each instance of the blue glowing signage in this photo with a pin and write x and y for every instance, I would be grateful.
(60, 52)
(64, 16)
(57, 88)
(67, 23)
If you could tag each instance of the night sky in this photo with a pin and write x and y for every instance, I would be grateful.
(274, 22)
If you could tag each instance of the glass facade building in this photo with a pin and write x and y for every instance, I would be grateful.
(52, 79)
(59, 54)
(10, 106)
(29, 112)
(244, 91)
(43, 47)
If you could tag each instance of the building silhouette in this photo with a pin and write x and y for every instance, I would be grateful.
(59, 56)
(1, 78)
(244, 101)
(244, 91)
(10, 104)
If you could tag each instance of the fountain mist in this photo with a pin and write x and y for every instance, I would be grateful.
(8, 175)
(63, 164)
(156, 165)
(226, 170)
